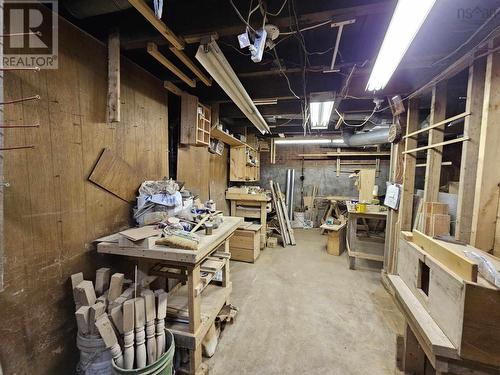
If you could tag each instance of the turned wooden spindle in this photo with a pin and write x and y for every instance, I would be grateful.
(128, 334)
(161, 314)
(107, 333)
(140, 336)
(149, 302)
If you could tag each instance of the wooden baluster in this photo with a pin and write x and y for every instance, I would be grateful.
(161, 314)
(140, 348)
(109, 337)
(149, 301)
(128, 334)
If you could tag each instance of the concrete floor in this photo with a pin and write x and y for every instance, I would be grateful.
(302, 311)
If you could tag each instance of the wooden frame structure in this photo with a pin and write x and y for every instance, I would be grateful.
(477, 220)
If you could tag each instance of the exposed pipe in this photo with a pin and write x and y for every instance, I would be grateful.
(374, 137)
(290, 185)
(89, 8)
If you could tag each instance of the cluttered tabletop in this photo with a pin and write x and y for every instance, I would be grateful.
(176, 226)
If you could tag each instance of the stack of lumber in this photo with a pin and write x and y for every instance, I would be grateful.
(286, 230)
(130, 321)
(433, 219)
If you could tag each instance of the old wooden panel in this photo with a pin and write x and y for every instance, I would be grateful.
(480, 326)
(52, 211)
(193, 168)
(219, 171)
(113, 174)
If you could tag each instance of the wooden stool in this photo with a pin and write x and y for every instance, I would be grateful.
(336, 238)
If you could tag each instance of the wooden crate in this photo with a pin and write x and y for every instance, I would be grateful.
(245, 243)
(446, 284)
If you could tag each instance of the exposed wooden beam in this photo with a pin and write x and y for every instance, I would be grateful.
(114, 77)
(486, 196)
(172, 88)
(333, 15)
(158, 24)
(436, 137)
(153, 51)
(470, 150)
(191, 65)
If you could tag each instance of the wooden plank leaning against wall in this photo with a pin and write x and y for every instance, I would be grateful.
(52, 213)
(486, 202)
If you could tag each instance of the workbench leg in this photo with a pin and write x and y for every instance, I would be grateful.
(194, 299)
(195, 359)
(233, 208)
(225, 270)
(351, 260)
(414, 356)
(263, 222)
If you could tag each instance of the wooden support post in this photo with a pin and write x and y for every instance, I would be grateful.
(436, 135)
(338, 162)
(470, 150)
(486, 196)
(414, 356)
(194, 299)
(406, 203)
(114, 77)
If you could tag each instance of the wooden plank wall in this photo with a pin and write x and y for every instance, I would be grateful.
(52, 213)
(204, 173)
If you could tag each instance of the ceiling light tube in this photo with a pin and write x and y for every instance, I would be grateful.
(320, 114)
(291, 141)
(404, 26)
(213, 60)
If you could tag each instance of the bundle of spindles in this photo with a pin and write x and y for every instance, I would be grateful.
(131, 321)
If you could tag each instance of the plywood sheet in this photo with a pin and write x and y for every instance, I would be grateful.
(366, 183)
(115, 175)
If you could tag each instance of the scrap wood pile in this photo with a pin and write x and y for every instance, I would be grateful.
(167, 215)
(130, 321)
(285, 228)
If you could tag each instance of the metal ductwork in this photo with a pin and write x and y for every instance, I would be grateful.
(374, 137)
(89, 8)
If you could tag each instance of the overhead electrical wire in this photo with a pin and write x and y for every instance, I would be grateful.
(279, 11)
(241, 17)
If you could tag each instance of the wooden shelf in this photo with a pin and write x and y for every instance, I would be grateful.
(213, 299)
(226, 138)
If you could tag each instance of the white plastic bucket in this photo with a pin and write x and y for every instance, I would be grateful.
(95, 359)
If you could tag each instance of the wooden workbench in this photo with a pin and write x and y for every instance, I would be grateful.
(244, 205)
(370, 246)
(201, 303)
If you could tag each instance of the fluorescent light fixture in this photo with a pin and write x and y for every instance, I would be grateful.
(405, 24)
(259, 102)
(320, 114)
(281, 135)
(214, 61)
(338, 141)
(291, 141)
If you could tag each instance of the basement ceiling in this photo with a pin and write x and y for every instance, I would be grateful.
(303, 57)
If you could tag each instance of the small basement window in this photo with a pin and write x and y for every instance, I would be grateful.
(423, 277)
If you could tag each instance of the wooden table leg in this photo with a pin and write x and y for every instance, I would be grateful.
(194, 299)
(233, 208)
(195, 359)
(225, 270)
